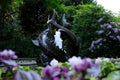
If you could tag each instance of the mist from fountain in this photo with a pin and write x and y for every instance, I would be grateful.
(58, 40)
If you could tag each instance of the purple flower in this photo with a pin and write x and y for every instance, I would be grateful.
(56, 78)
(55, 73)
(7, 54)
(6, 57)
(109, 26)
(112, 37)
(64, 69)
(80, 65)
(99, 32)
(88, 62)
(96, 44)
(108, 33)
(47, 71)
(92, 44)
(98, 41)
(116, 30)
(99, 20)
(118, 37)
(102, 26)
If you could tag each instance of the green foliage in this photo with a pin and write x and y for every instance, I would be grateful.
(12, 38)
(34, 14)
(38, 70)
(70, 12)
(52, 4)
(5, 3)
(5, 6)
(117, 65)
(15, 6)
(25, 68)
(65, 64)
(77, 2)
(113, 76)
(0, 74)
(117, 20)
(106, 67)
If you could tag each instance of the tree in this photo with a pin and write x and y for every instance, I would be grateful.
(76, 2)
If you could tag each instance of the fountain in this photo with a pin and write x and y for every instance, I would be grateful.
(53, 47)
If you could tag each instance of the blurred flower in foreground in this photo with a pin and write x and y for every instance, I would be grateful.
(54, 63)
(80, 64)
(6, 57)
(55, 73)
(79, 69)
(30, 75)
(84, 66)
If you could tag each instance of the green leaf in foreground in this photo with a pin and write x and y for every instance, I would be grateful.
(114, 76)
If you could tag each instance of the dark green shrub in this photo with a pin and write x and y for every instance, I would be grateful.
(12, 38)
(32, 16)
(5, 6)
(11, 34)
(76, 2)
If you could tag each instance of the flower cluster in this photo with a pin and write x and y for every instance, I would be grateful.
(55, 73)
(96, 44)
(78, 70)
(80, 65)
(107, 35)
(109, 31)
(83, 67)
(6, 57)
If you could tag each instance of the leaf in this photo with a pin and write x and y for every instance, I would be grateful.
(92, 78)
(114, 76)
(0, 73)
(117, 65)
(66, 64)
(106, 68)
